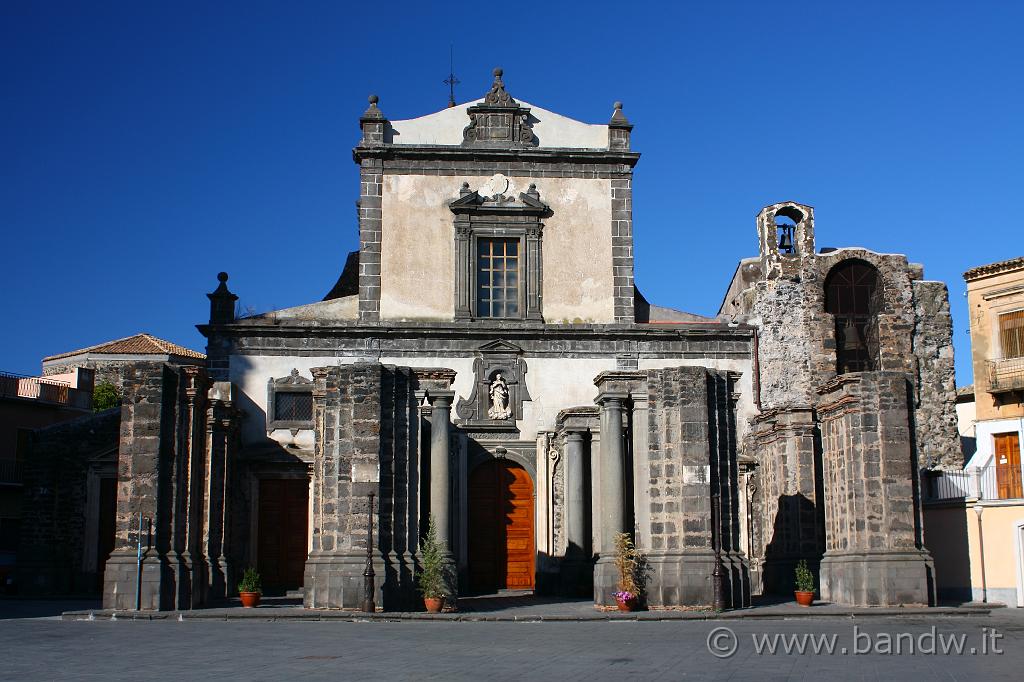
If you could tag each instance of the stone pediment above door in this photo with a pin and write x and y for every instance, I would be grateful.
(499, 389)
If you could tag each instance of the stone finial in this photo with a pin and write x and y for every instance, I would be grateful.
(498, 97)
(372, 111)
(619, 129)
(619, 118)
(373, 123)
(222, 301)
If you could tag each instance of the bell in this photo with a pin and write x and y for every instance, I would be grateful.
(786, 240)
(851, 337)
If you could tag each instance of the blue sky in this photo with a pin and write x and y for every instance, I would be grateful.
(146, 146)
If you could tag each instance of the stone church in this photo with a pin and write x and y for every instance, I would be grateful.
(485, 359)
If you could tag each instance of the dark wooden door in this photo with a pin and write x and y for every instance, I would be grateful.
(106, 523)
(501, 540)
(282, 536)
(1007, 447)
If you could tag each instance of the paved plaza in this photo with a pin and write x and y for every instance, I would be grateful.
(37, 644)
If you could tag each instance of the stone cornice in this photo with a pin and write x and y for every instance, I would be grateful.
(266, 326)
(426, 153)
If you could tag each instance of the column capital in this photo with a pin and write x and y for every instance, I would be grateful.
(575, 436)
(611, 400)
(441, 398)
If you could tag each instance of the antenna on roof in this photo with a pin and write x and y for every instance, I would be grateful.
(451, 81)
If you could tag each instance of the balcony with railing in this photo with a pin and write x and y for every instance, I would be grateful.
(980, 483)
(1006, 375)
(44, 391)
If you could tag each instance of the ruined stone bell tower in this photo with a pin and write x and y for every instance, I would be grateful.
(853, 355)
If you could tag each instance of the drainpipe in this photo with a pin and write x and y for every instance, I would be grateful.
(978, 509)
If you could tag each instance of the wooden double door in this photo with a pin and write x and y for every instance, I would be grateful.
(501, 527)
(282, 538)
(1007, 451)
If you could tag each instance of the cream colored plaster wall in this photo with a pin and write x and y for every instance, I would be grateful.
(1002, 551)
(417, 270)
(418, 247)
(554, 384)
(551, 129)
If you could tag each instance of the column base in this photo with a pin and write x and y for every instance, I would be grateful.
(683, 578)
(886, 578)
(334, 580)
(120, 582)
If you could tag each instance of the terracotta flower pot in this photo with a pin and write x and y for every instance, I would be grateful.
(626, 604)
(249, 599)
(433, 604)
(804, 598)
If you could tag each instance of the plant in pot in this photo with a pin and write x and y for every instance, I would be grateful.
(804, 580)
(431, 578)
(632, 566)
(249, 588)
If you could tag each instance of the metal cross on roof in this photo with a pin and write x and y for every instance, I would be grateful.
(451, 81)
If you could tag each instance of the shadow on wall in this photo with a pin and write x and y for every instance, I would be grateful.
(797, 533)
(945, 535)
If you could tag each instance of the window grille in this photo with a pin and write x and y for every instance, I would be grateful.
(293, 407)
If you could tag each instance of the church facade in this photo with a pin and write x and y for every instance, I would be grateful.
(485, 360)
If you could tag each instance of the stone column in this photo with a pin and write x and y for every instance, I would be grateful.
(613, 517)
(440, 476)
(575, 497)
(575, 573)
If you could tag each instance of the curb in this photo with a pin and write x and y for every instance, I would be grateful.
(317, 615)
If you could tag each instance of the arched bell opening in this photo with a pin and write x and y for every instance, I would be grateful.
(853, 295)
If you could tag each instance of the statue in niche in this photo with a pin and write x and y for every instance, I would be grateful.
(499, 399)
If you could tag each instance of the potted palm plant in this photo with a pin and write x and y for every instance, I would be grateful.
(804, 580)
(431, 578)
(632, 574)
(249, 588)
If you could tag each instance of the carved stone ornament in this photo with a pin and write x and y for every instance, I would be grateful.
(499, 388)
(499, 121)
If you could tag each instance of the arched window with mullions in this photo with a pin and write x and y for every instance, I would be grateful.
(853, 294)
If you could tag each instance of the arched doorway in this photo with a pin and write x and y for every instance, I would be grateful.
(501, 527)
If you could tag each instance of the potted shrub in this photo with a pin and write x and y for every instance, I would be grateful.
(632, 573)
(249, 589)
(804, 584)
(431, 578)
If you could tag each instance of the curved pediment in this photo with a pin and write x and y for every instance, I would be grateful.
(446, 127)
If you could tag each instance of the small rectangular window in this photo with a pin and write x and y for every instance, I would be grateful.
(293, 407)
(1011, 334)
(497, 278)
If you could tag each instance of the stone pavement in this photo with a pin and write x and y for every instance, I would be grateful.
(518, 607)
(245, 649)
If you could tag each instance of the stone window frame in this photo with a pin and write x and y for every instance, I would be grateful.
(499, 216)
(293, 383)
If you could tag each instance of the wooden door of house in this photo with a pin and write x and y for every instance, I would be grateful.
(282, 536)
(1007, 451)
(501, 527)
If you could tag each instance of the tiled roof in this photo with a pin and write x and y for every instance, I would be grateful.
(139, 344)
(995, 268)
